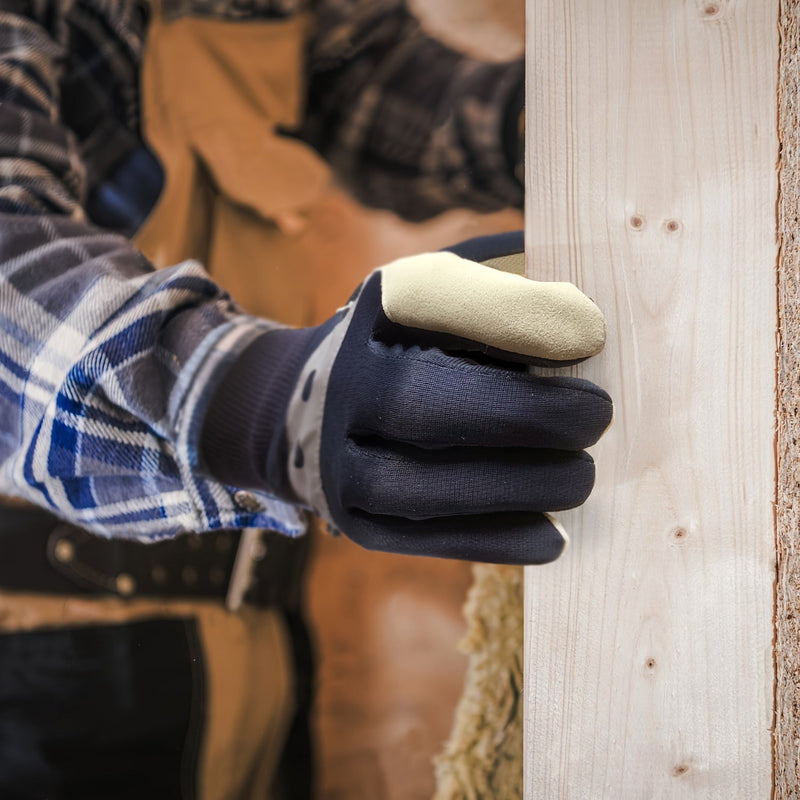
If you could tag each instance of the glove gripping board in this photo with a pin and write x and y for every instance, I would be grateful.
(495, 309)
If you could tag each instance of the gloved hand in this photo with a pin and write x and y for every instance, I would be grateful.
(409, 420)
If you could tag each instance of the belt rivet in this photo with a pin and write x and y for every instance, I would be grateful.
(64, 551)
(159, 574)
(247, 502)
(189, 575)
(126, 584)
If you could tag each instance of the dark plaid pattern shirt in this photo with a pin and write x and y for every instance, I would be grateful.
(107, 365)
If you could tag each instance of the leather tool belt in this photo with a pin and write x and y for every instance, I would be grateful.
(40, 553)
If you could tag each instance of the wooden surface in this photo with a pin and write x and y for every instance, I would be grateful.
(652, 185)
(787, 595)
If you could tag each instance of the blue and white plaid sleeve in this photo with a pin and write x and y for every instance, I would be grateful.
(106, 365)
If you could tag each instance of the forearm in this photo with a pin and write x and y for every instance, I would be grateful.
(106, 365)
(408, 123)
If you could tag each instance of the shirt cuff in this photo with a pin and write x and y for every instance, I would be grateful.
(214, 502)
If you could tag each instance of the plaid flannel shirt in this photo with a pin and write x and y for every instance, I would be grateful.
(107, 365)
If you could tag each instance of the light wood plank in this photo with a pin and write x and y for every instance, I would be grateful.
(652, 185)
(787, 511)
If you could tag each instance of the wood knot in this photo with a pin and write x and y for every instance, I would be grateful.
(679, 535)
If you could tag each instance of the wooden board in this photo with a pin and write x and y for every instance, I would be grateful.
(651, 171)
(787, 511)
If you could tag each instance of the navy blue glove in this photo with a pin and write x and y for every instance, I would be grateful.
(410, 421)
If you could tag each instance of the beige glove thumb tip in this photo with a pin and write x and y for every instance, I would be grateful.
(583, 326)
(445, 293)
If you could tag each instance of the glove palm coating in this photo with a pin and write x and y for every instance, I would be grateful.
(409, 420)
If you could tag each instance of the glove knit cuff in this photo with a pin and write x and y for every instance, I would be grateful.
(243, 439)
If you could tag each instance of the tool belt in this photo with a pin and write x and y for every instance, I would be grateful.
(40, 553)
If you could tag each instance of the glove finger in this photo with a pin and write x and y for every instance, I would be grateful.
(510, 538)
(440, 401)
(442, 293)
(398, 480)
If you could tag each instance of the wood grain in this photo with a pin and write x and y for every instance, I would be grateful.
(652, 185)
(787, 511)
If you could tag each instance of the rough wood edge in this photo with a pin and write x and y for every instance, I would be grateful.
(786, 750)
(483, 756)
